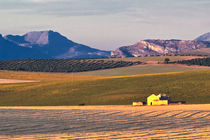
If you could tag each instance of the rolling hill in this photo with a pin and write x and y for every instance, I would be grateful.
(65, 89)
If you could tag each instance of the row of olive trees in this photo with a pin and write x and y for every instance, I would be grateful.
(62, 65)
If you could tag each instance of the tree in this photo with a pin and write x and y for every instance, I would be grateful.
(167, 60)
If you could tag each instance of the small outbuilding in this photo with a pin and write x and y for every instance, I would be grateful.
(157, 99)
(137, 103)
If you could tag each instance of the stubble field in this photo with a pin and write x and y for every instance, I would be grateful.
(106, 122)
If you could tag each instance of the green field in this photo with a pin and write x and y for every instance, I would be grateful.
(190, 86)
(140, 69)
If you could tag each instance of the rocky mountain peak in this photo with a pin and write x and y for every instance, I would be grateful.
(38, 37)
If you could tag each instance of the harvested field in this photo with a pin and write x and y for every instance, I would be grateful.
(106, 122)
(7, 81)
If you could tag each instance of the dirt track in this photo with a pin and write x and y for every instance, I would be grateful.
(106, 122)
(7, 81)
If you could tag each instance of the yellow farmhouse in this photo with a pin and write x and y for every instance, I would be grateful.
(157, 100)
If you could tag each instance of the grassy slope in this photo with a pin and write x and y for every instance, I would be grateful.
(141, 69)
(192, 87)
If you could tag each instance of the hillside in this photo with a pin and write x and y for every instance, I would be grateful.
(189, 86)
(142, 69)
(45, 44)
(158, 47)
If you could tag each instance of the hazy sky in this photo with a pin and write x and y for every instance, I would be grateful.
(107, 24)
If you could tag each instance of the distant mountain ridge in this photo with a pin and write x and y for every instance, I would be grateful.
(53, 45)
(45, 44)
(161, 47)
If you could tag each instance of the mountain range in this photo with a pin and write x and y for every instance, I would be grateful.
(163, 47)
(45, 44)
(53, 45)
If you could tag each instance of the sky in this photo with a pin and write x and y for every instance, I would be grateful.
(107, 24)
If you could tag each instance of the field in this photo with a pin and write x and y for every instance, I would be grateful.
(106, 122)
(118, 86)
(68, 89)
(37, 105)
(143, 69)
(84, 65)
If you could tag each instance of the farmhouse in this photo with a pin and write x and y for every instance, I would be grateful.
(157, 99)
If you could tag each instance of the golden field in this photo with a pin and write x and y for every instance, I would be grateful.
(36, 105)
(43, 76)
(106, 122)
(60, 89)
